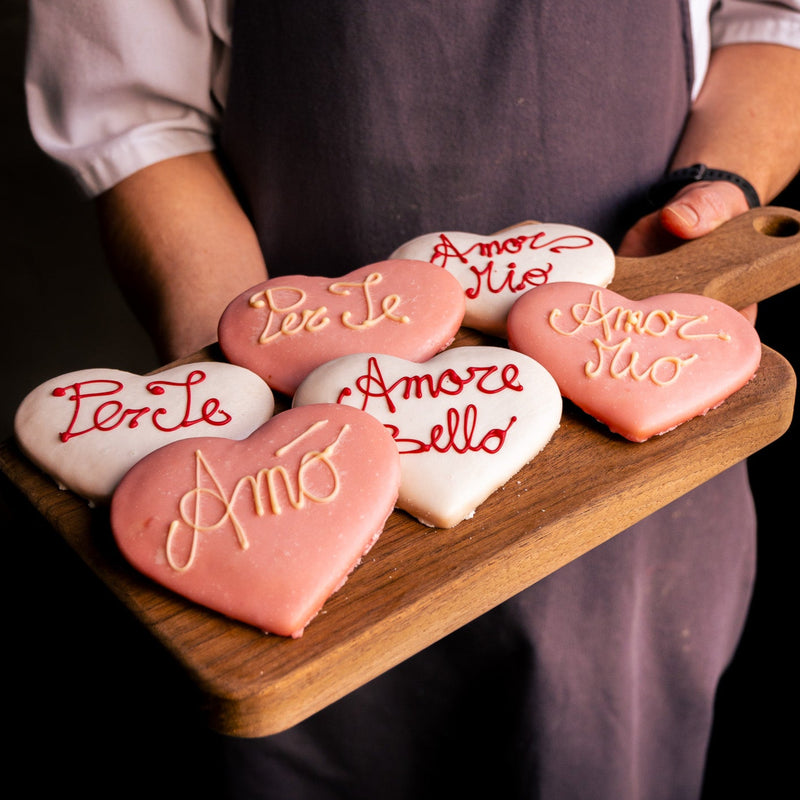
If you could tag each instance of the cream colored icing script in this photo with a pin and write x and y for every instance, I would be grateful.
(262, 484)
(611, 355)
(295, 319)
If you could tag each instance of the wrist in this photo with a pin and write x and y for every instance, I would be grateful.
(663, 191)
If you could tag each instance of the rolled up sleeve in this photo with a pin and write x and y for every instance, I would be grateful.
(741, 21)
(112, 87)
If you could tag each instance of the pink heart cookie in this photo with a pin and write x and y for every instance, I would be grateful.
(496, 270)
(88, 428)
(263, 530)
(285, 327)
(465, 421)
(640, 367)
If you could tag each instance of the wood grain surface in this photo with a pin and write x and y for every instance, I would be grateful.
(418, 584)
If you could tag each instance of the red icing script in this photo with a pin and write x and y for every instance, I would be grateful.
(459, 434)
(96, 409)
(464, 422)
(87, 428)
(489, 250)
(495, 270)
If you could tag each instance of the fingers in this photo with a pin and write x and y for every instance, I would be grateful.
(701, 207)
(750, 313)
(646, 238)
(695, 211)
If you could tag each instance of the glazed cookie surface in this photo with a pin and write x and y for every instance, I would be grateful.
(87, 428)
(495, 270)
(639, 367)
(265, 529)
(465, 421)
(285, 327)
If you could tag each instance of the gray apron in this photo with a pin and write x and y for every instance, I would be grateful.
(353, 126)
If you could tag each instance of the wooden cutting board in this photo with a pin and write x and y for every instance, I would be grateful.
(418, 584)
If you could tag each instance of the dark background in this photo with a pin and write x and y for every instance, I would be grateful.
(95, 705)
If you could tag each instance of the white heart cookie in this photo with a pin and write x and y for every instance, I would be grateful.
(496, 270)
(88, 428)
(465, 421)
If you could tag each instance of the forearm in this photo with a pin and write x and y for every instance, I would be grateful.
(747, 117)
(180, 247)
(746, 120)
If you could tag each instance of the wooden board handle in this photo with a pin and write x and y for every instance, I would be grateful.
(744, 261)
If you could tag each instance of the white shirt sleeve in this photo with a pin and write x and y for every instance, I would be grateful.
(720, 22)
(112, 87)
(775, 22)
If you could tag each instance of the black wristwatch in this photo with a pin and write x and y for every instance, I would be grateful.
(669, 186)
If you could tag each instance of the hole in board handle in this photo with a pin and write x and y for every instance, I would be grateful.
(776, 226)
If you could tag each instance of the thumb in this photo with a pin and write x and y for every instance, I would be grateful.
(701, 207)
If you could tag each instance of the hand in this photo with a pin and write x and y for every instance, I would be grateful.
(694, 211)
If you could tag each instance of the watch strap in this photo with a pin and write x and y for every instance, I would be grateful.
(669, 186)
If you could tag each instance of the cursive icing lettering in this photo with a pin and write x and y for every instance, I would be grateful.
(611, 354)
(490, 379)
(661, 372)
(96, 410)
(655, 323)
(446, 249)
(459, 433)
(287, 316)
(292, 322)
(488, 277)
(258, 492)
(389, 303)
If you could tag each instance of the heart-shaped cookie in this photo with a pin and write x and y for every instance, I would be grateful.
(640, 367)
(265, 529)
(496, 270)
(88, 428)
(464, 422)
(285, 327)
